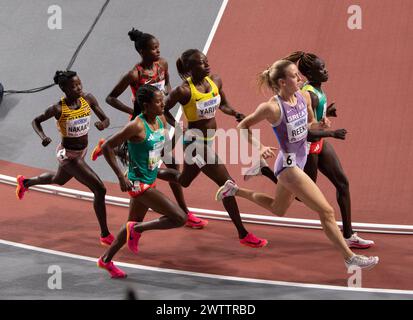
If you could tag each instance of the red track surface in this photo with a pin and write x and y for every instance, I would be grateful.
(296, 255)
(369, 70)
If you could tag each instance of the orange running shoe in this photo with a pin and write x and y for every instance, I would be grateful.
(20, 189)
(194, 222)
(97, 151)
(113, 270)
(252, 241)
(107, 241)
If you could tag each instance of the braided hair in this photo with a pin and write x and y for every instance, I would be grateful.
(145, 93)
(305, 61)
(140, 38)
(182, 64)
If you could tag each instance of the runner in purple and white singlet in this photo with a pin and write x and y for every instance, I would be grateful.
(290, 113)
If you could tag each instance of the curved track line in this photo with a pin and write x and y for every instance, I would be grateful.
(208, 275)
(223, 215)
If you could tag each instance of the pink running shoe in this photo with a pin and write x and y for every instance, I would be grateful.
(194, 222)
(132, 236)
(252, 241)
(20, 189)
(107, 241)
(113, 270)
(97, 151)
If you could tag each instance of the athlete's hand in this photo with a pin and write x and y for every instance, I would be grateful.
(239, 116)
(325, 123)
(100, 125)
(331, 110)
(125, 184)
(46, 141)
(340, 134)
(267, 152)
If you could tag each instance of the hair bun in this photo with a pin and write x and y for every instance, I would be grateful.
(56, 76)
(135, 34)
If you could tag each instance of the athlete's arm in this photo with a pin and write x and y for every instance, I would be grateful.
(104, 120)
(133, 131)
(112, 98)
(168, 88)
(178, 95)
(53, 111)
(224, 105)
(316, 132)
(268, 111)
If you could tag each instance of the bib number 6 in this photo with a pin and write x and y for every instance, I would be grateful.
(289, 160)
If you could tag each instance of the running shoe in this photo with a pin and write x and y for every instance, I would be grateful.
(255, 170)
(362, 262)
(132, 236)
(113, 270)
(229, 189)
(107, 241)
(20, 189)
(194, 222)
(97, 151)
(357, 242)
(252, 241)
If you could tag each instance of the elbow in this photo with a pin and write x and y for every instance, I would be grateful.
(109, 99)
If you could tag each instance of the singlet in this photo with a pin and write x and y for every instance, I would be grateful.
(145, 156)
(155, 77)
(321, 109)
(74, 123)
(292, 127)
(202, 105)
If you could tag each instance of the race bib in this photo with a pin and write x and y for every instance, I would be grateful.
(155, 155)
(77, 127)
(289, 160)
(297, 130)
(160, 85)
(206, 109)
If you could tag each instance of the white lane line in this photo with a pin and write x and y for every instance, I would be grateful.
(215, 26)
(223, 215)
(207, 275)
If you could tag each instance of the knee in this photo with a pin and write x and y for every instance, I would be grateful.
(100, 190)
(327, 214)
(184, 183)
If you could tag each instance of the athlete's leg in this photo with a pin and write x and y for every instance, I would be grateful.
(137, 212)
(85, 175)
(61, 177)
(329, 165)
(311, 166)
(177, 188)
(277, 205)
(296, 181)
(172, 215)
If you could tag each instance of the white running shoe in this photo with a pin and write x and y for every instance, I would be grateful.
(356, 242)
(227, 190)
(255, 170)
(362, 262)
